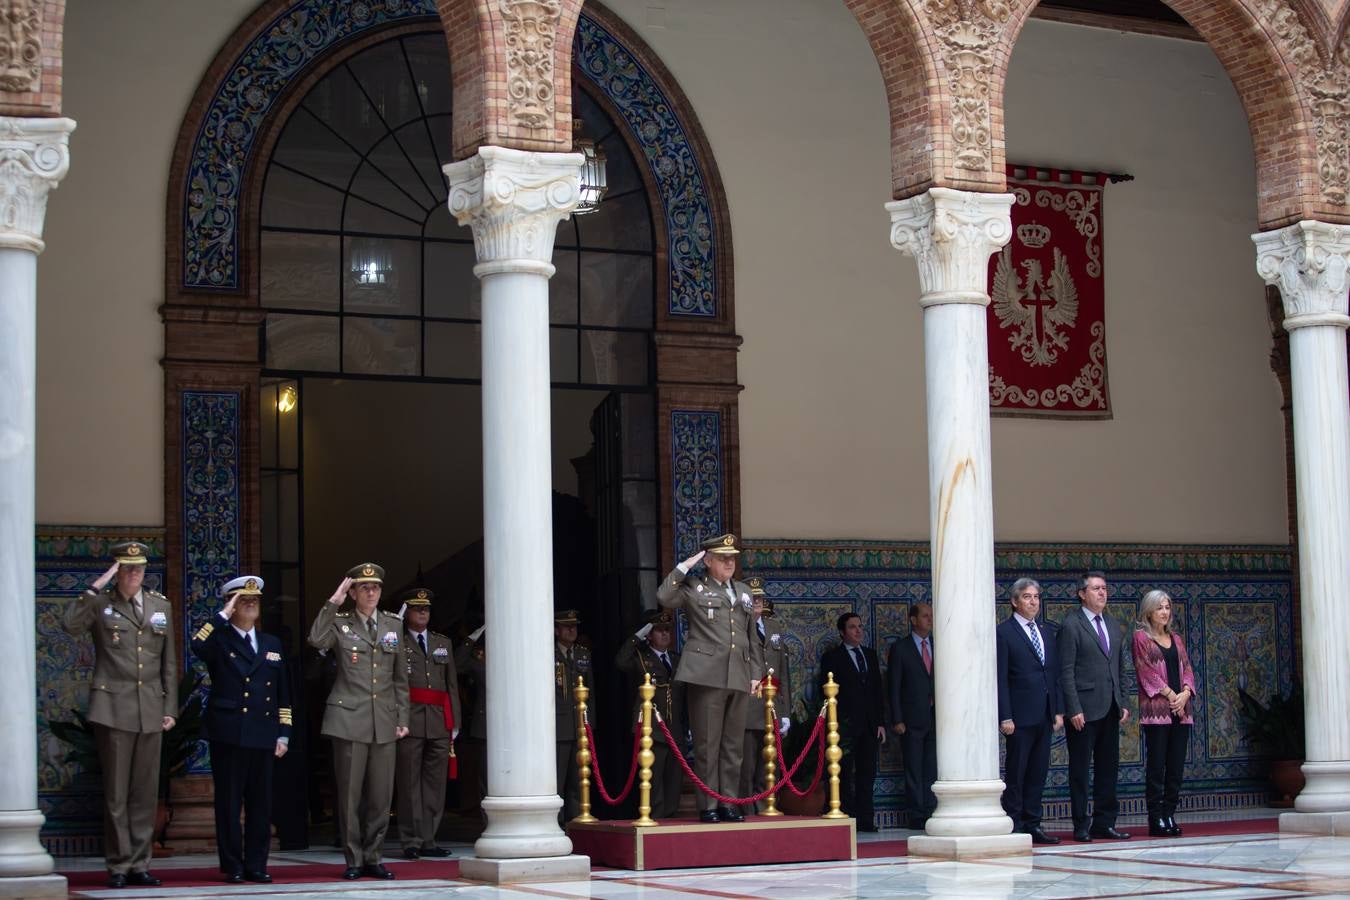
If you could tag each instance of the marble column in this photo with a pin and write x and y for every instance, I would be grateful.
(1308, 261)
(34, 157)
(513, 200)
(951, 235)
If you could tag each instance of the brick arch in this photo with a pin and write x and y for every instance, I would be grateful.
(1258, 62)
(521, 100)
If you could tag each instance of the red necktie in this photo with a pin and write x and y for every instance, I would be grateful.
(927, 655)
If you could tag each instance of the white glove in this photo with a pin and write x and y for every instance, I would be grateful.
(784, 724)
(454, 735)
(476, 634)
(401, 610)
(643, 631)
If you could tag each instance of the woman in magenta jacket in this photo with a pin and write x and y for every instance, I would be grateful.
(1166, 689)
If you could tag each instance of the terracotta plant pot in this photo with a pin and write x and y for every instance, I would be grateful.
(1286, 780)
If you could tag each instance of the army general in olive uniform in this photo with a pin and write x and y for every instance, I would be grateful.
(424, 755)
(720, 667)
(570, 661)
(366, 713)
(133, 700)
(650, 653)
(769, 633)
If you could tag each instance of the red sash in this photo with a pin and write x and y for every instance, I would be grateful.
(441, 699)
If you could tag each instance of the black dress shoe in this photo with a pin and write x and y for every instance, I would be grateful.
(1158, 827)
(377, 871)
(258, 877)
(411, 853)
(117, 880)
(1172, 827)
(233, 878)
(1110, 834)
(1081, 836)
(709, 815)
(730, 814)
(433, 851)
(351, 873)
(143, 879)
(1038, 836)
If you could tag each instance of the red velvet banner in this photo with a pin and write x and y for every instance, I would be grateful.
(1047, 310)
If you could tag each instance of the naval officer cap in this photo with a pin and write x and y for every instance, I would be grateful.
(418, 596)
(244, 585)
(722, 545)
(366, 572)
(129, 553)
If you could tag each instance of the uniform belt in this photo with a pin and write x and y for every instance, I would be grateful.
(442, 699)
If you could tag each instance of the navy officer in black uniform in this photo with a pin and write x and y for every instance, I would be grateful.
(248, 725)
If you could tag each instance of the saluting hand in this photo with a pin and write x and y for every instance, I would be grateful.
(282, 747)
(693, 560)
(229, 605)
(102, 581)
(169, 722)
(341, 592)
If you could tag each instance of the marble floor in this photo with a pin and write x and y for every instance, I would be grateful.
(1201, 868)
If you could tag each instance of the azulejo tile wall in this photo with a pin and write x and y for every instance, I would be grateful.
(68, 559)
(1234, 604)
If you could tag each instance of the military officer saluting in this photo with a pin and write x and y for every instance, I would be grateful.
(425, 755)
(570, 660)
(770, 636)
(650, 653)
(366, 713)
(248, 725)
(720, 667)
(133, 700)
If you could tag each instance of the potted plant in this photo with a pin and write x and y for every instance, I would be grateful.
(1275, 728)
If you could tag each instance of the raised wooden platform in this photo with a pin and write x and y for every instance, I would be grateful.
(689, 844)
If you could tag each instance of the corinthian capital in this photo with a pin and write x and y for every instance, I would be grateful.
(951, 234)
(1307, 261)
(513, 200)
(34, 157)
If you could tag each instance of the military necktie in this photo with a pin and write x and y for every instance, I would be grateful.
(422, 642)
(370, 628)
(665, 661)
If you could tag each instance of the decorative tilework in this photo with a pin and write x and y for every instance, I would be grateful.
(696, 466)
(660, 134)
(69, 558)
(1226, 598)
(222, 151)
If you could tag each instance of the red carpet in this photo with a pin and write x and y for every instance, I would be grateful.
(209, 876)
(879, 849)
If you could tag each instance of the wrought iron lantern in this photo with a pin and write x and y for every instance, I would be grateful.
(593, 184)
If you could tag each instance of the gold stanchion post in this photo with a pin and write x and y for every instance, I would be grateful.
(770, 751)
(580, 693)
(832, 751)
(646, 757)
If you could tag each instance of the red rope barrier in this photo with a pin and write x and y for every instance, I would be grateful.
(742, 801)
(820, 758)
(595, 767)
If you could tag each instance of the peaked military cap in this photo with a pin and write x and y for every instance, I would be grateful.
(129, 553)
(245, 585)
(567, 617)
(418, 596)
(766, 609)
(722, 545)
(756, 586)
(366, 572)
(659, 618)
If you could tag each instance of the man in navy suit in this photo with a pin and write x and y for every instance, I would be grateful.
(910, 670)
(1092, 678)
(862, 717)
(248, 725)
(1029, 707)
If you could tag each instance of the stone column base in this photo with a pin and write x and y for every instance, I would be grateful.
(1332, 823)
(970, 846)
(34, 886)
(516, 871)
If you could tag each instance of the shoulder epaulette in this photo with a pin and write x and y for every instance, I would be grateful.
(156, 594)
(437, 634)
(342, 615)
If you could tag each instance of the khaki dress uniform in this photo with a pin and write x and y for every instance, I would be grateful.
(424, 755)
(471, 749)
(134, 686)
(567, 666)
(717, 665)
(368, 701)
(637, 659)
(770, 635)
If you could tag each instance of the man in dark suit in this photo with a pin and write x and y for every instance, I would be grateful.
(1029, 707)
(1092, 677)
(862, 717)
(248, 725)
(910, 670)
